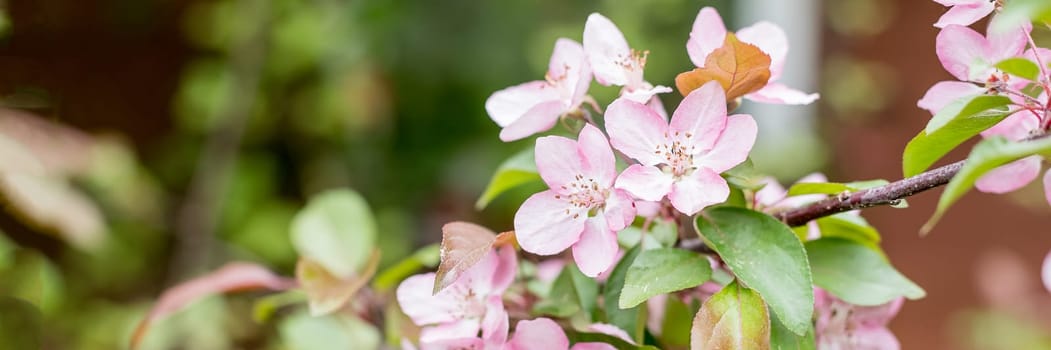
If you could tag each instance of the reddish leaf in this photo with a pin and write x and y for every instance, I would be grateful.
(328, 292)
(235, 276)
(734, 318)
(463, 244)
(741, 68)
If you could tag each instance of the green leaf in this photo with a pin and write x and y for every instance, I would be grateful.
(675, 328)
(745, 176)
(21, 324)
(818, 188)
(659, 271)
(586, 289)
(513, 172)
(264, 308)
(424, 257)
(337, 230)
(626, 319)
(617, 343)
(1019, 67)
(767, 256)
(849, 226)
(967, 107)
(734, 318)
(986, 156)
(783, 339)
(927, 148)
(856, 274)
(569, 294)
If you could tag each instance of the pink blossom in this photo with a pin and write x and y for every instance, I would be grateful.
(615, 63)
(543, 333)
(1045, 270)
(841, 325)
(581, 209)
(533, 107)
(454, 316)
(709, 33)
(964, 12)
(1012, 176)
(971, 58)
(681, 159)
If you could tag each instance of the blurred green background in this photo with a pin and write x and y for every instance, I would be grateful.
(178, 135)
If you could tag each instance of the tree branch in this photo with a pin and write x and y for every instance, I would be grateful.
(888, 194)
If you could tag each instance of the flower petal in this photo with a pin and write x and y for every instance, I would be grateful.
(543, 226)
(1007, 44)
(508, 105)
(966, 15)
(597, 248)
(658, 106)
(495, 323)
(539, 118)
(558, 161)
(1015, 127)
(541, 333)
(620, 210)
(459, 332)
(414, 297)
(1011, 176)
(635, 130)
(771, 39)
(569, 66)
(701, 117)
(771, 193)
(644, 94)
(593, 346)
(506, 268)
(944, 92)
(606, 50)
(708, 34)
(645, 182)
(733, 144)
(959, 48)
(1045, 270)
(874, 338)
(599, 162)
(1047, 195)
(777, 93)
(693, 193)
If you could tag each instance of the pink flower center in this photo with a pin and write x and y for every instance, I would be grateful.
(583, 193)
(678, 156)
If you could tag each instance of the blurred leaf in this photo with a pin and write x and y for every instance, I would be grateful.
(1018, 12)
(424, 257)
(264, 308)
(734, 318)
(767, 256)
(327, 292)
(563, 300)
(617, 343)
(986, 156)
(21, 324)
(967, 107)
(206, 85)
(851, 227)
(660, 271)
(745, 176)
(232, 277)
(265, 232)
(517, 170)
(739, 67)
(675, 328)
(783, 339)
(304, 332)
(626, 319)
(337, 230)
(35, 279)
(1020, 67)
(666, 232)
(856, 274)
(926, 148)
(53, 204)
(463, 245)
(1000, 330)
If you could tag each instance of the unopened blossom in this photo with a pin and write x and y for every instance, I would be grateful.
(533, 107)
(971, 58)
(453, 317)
(616, 63)
(844, 326)
(543, 333)
(964, 12)
(681, 160)
(581, 209)
(709, 34)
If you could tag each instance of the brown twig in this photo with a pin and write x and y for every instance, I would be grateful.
(888, 194)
